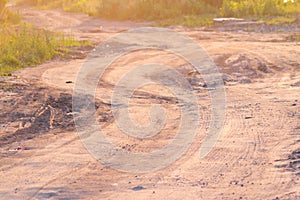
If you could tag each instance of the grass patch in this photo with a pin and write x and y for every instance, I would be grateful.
(258, 8)
(25, 46)
(280, 20)
(22, 45)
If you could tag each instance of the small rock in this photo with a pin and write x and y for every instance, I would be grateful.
(245, 80)
(263, 67)
(138, 188)
(47, 195)
(19, 148)
(295, 155)
(296, 84)
(69, 82)
(227, 78)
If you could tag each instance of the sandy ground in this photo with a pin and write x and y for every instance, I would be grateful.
(257, 154)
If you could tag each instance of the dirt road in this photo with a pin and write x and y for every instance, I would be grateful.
(257, 154)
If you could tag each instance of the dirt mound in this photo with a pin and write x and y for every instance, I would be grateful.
(242, 68)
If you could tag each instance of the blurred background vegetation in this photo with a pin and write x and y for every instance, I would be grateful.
(170, 9)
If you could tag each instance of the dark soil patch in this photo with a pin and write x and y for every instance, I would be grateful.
(27, 111)
(292, 163)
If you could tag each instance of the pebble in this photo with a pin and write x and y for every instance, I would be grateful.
(138, 188)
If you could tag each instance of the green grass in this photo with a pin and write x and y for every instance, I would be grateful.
(22, 45)
(258, 8)
(25, 46)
